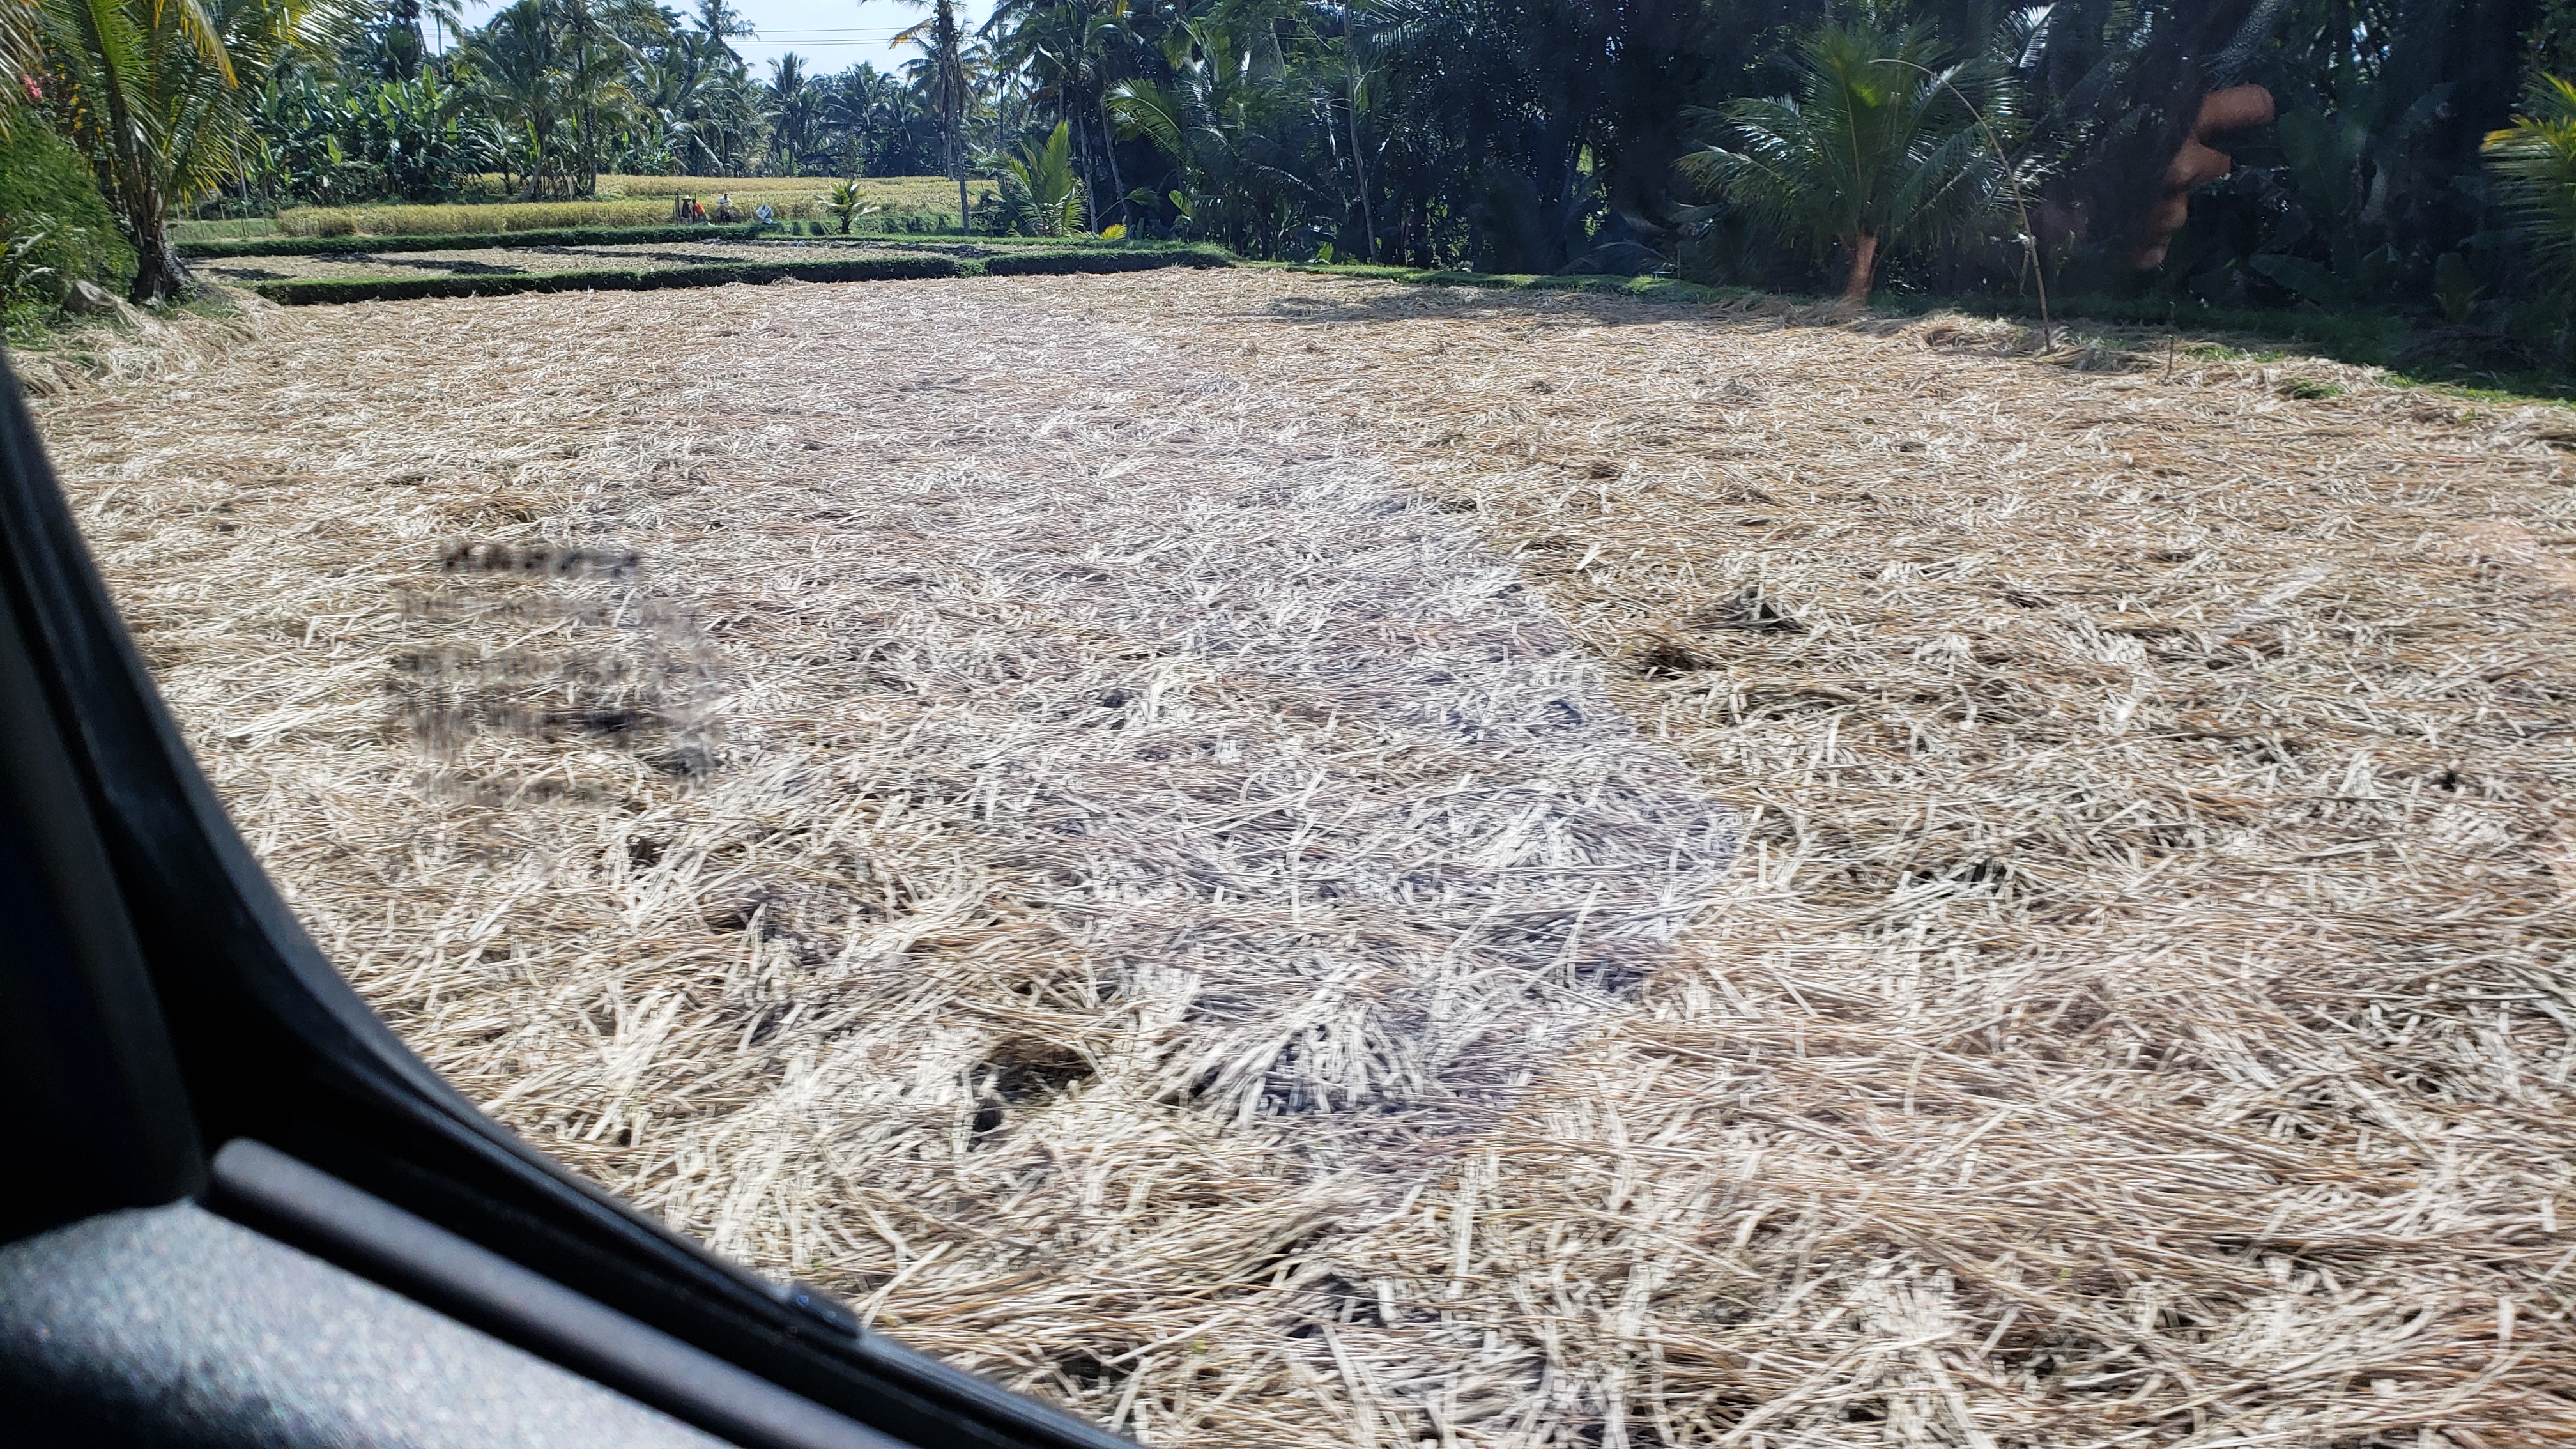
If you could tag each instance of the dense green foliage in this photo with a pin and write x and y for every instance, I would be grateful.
(1932, 147)
(57, 227)
(548, 95)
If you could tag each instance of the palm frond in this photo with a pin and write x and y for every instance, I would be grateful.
(1152, 111)
(2535, 160)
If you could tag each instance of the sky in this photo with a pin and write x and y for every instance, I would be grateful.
(831, 35)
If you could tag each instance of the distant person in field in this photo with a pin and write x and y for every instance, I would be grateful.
(724, 206)
(765, 214)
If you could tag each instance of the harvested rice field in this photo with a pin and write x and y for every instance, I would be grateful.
(1292, 861)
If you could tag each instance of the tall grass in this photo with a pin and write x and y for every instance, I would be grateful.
(239, 229)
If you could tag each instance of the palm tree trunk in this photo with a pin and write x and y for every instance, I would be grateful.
(1090, 170)
(1359, 163)
(1864, 250)
(158, 276)
(1109, 147)
(956, 148)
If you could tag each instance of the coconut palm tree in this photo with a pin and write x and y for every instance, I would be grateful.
(520, 64)
(1882, 149)
(1216, 119)
(855, 103)
(943, 49)
(793, 103)
(847, 201)
(153, 93)
(1068, 50)
(597, 64)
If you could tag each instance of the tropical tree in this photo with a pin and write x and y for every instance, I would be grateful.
(593, 77)
(1069, 50)
(1230, 117)
(519, 63)
(793, 106)
(2534, 159)
(153, 93)
(1349, 49)
(1883, 148)
(943, 52)
(855, 105)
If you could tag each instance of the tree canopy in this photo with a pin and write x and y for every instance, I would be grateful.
(1714, 139)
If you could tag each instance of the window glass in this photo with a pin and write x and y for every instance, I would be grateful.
(1391, 724)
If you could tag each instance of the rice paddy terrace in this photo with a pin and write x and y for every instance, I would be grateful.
(1295, 861)
(506, 260)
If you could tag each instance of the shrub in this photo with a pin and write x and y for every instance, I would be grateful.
(54, 227)
(1040, 193)
(1880, 150)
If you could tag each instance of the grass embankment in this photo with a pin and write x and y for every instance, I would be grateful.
(904, 204)
(505, 216)
(908, 266)
(570, 236)
(1660, 289)
(272, 245)
(2413, 350)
